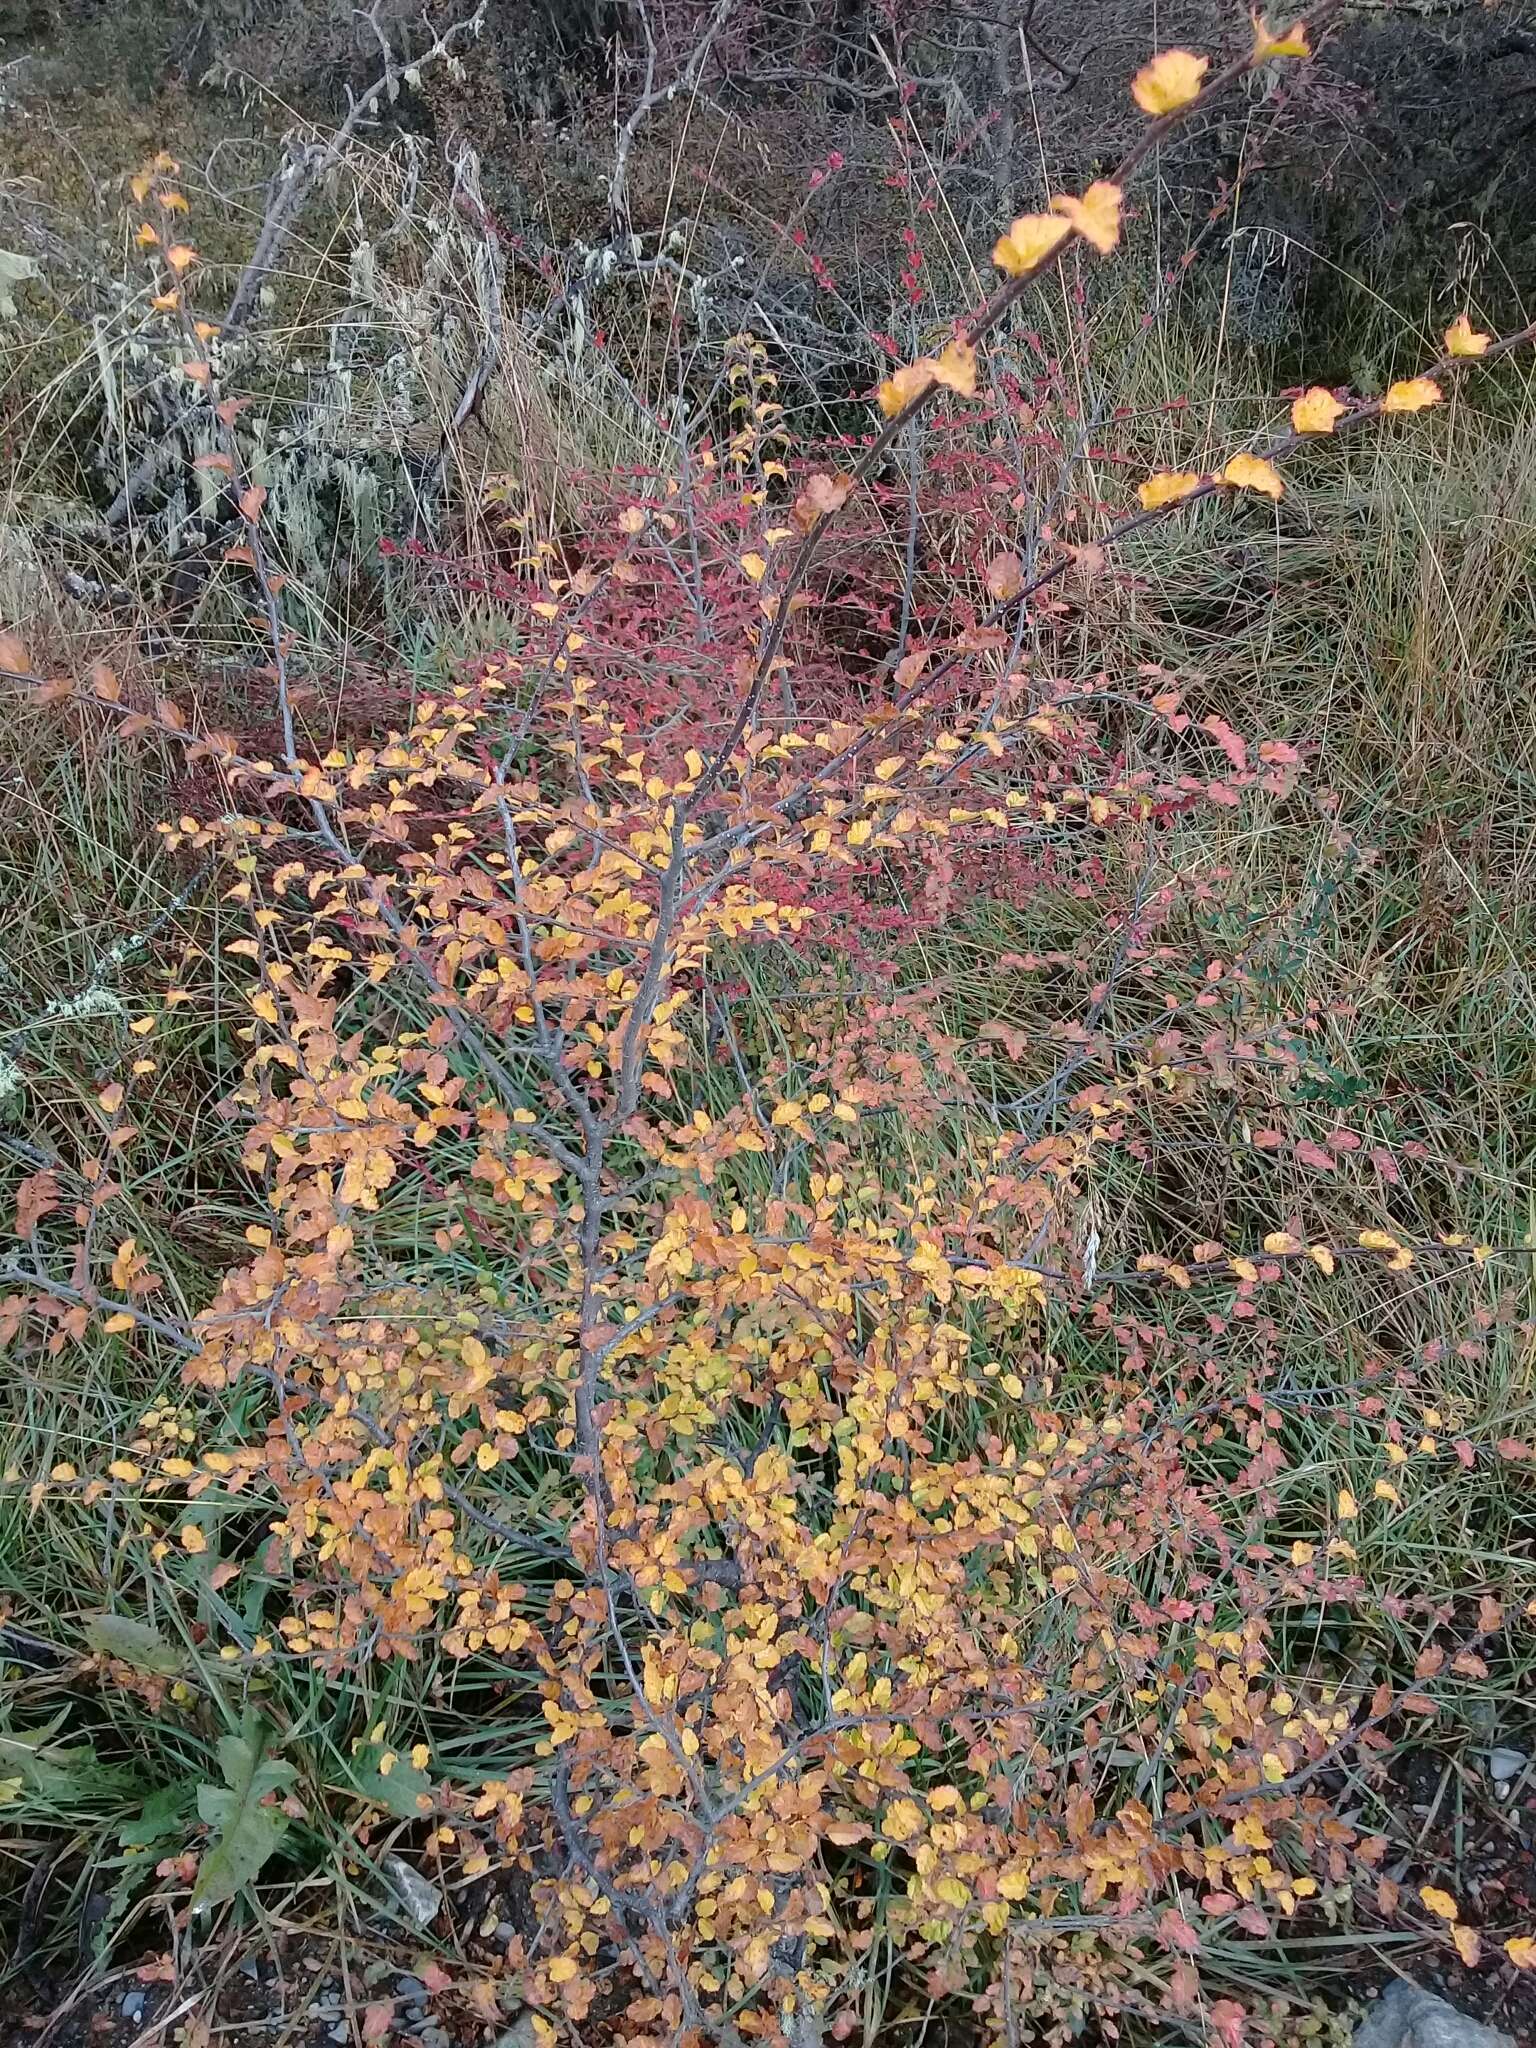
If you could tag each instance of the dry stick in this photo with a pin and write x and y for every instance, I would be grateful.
(974, 331)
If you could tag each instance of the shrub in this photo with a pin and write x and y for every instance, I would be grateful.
(687, 1316)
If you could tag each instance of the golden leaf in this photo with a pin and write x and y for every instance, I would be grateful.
(1463, 339)
(1439, 1902)
(1096, 216)
(903, 1819)
(1168, 487)
(1521, 1950)
(1315, 411)
(1349, 1507)
(1269, 42)
(1170, 81)
(193, 1539)
(754, 566)
(1032, 238)
(903, 385)
(1252, 473)
(1411, 394)
(1280, 1242)
(955, 369)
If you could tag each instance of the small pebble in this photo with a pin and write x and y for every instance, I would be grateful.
(133, 2006)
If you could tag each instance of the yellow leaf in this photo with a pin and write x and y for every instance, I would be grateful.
(1469, 1945)
(953, 1892)
(1273, 1767)
(1269, 42)
(563, 1969)
(1096, 216)
(1384, 1490)
(1168, 487)
(1463, 339)
(903, 385)
(126, 1470)
(1521, 1950)
(1439, 1902)
(1252, 473)
(1411, 394)
(1349, 1507)
(1321, 1257)
(1170, 81)
(180, 257)
(115, 1325)
(1315, 411)
(1032, 238)
(193, 1539)
(891, 765)
(955, 369)
(903, 1819)
(1281, 1242)
(754, 566)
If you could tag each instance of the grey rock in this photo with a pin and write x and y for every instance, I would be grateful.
(1407, 2017)
(521, 2034)
(341, 2031)
(422, 1901)
(1504, 1766)
(132, 2007)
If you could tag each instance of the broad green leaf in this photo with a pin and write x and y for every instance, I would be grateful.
(399, 1790)
(248, 1831)
(134, 1642)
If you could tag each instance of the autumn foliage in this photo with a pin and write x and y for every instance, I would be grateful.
(660, 1295)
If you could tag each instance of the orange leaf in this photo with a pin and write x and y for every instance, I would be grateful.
(1004, 577)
